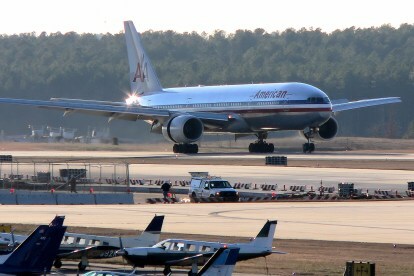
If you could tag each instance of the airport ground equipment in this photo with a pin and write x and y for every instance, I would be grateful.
(276, 160)
(6, 158)
(204, 186)
(359, 269)
(345, 189)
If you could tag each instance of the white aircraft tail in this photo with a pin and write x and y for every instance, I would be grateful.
(266, 235)
(141, 73)
(221, 263)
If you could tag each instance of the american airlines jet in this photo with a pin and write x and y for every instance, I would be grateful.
(183, 114)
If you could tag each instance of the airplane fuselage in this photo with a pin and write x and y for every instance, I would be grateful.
(172, 250)
(255, 107)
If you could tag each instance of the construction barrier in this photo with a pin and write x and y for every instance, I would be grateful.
(7, 198)
(242, 185)
(114, 198)
(75, 199)
(35, 198)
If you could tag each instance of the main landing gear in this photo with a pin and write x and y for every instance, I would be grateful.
(309, 146)
(260, 146)
(185, 148)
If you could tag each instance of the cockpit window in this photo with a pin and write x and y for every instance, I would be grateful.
(318, 100)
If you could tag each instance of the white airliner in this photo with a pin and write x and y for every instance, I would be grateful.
(183, 114)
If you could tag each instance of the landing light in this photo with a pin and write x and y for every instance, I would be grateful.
(132, 99)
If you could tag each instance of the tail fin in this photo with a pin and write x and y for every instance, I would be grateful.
(37, 253)
(266, 234)
(141, 73)
(221, 263)
(153, 230)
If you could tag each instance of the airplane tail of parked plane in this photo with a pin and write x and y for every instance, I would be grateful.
(266, 235)
(221, 263)
(37, 253)
(152, 233)
(142, 76)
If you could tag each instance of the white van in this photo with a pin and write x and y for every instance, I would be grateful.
(204, 186)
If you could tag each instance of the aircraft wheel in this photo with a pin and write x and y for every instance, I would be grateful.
(57, 263)
(305, 148)
(311, 147)
(175, 148)
(166, 271)
(193, 148)
(271, 148)
(81, 267)
(251, 147)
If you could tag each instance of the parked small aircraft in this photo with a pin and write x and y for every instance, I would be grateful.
(180, 252)
(35, 255)
(85, 247)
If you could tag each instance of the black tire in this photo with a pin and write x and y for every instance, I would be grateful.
(57, 263)
(166, 271)
(175, 148)
(194, 195)
(251, 147)
(271, 148)
(305, 148)
(81, 267)
(311, 147)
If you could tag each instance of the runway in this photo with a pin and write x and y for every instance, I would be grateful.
(374, 221)
(361, 155)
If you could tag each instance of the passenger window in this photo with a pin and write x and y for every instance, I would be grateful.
(205, 248)
(191, 247)
(166, 245)
(180, 246)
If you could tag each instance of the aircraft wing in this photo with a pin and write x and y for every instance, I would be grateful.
(113, 111)
(342, 106)
(91, 252)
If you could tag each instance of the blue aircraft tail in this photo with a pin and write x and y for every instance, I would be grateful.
(221, 263)
(155, 225)
(37, 253)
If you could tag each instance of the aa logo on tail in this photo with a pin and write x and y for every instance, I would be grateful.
(142, 71)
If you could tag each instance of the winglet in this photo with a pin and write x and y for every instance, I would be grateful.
(142, 76)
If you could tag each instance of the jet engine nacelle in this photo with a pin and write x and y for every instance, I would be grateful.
(183, 129)
(326, 131)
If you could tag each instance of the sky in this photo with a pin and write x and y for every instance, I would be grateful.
(102, 16)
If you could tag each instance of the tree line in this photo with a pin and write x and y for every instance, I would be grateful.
(352, 63)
